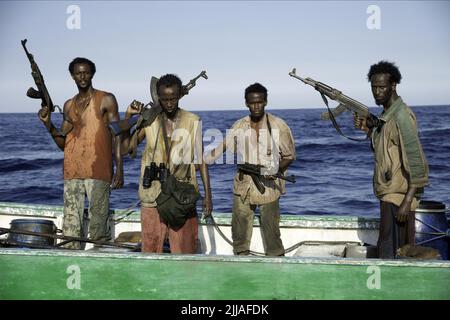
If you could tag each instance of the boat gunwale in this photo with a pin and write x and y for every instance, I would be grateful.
(222, 219)
(229, 258)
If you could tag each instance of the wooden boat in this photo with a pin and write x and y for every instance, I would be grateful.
(327, 260)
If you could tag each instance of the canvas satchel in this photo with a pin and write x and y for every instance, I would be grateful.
(177, 200)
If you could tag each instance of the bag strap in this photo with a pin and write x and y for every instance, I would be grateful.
(268, 125)
(156, 143)
(166, 142)
(335, 124)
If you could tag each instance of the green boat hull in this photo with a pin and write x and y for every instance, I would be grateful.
(215, 273)
(50, 274)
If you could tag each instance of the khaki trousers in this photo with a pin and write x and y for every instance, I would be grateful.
(75, 191)
(242, 226)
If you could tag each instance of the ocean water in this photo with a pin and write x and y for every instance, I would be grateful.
(334, 175)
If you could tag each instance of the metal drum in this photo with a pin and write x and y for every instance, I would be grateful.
(431, 227)
(33, 225)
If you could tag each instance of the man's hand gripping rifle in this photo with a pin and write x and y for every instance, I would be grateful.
(147, 114)
(345, 103)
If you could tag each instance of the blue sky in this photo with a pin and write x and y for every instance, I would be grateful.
(237, 43)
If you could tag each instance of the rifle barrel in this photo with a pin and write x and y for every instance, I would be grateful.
(290, 178)
(293, 74)
(29, 55)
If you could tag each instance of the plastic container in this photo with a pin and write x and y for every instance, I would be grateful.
(432, 227)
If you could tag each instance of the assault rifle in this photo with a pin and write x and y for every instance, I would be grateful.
(345, 103)
(254, 170)
(192, 83)
(41, 92)
(149, 114)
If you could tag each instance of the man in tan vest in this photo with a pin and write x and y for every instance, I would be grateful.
(259, 138)
(87, 144)
(184, 136)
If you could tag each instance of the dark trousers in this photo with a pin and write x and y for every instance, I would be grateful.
(393, 234)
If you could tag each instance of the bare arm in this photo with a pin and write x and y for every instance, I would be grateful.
(287, 148)
(111, 109)
(132, 110)
(405, 207)
(204, 173)
(229, 143)
(284, 164)
(207, 204)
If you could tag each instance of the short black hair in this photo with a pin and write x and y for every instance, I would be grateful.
(385, 67)
(82, 60)
(256, 88)
(169, 80)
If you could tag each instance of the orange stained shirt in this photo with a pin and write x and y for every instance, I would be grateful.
(88, 147)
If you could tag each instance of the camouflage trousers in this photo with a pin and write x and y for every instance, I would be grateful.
(75, 191)
(242, 226)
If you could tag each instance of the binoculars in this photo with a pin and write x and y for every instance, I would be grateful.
(154, 172)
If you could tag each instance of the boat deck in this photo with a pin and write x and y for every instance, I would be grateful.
(215, 273)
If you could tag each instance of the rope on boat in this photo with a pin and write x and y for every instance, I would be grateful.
(66, 238)
(439, 233)
(255, 253)
(128, 211)
(216, 226)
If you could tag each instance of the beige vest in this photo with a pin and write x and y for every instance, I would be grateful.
(267, 150)
(185, 143)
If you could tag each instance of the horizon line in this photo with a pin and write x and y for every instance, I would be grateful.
(271, 108)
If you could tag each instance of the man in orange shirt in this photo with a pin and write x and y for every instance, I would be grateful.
(87, 144)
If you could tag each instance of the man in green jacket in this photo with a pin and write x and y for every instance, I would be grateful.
(401, 169)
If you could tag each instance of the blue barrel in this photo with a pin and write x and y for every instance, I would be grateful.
(432, 227)
(33, 225)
